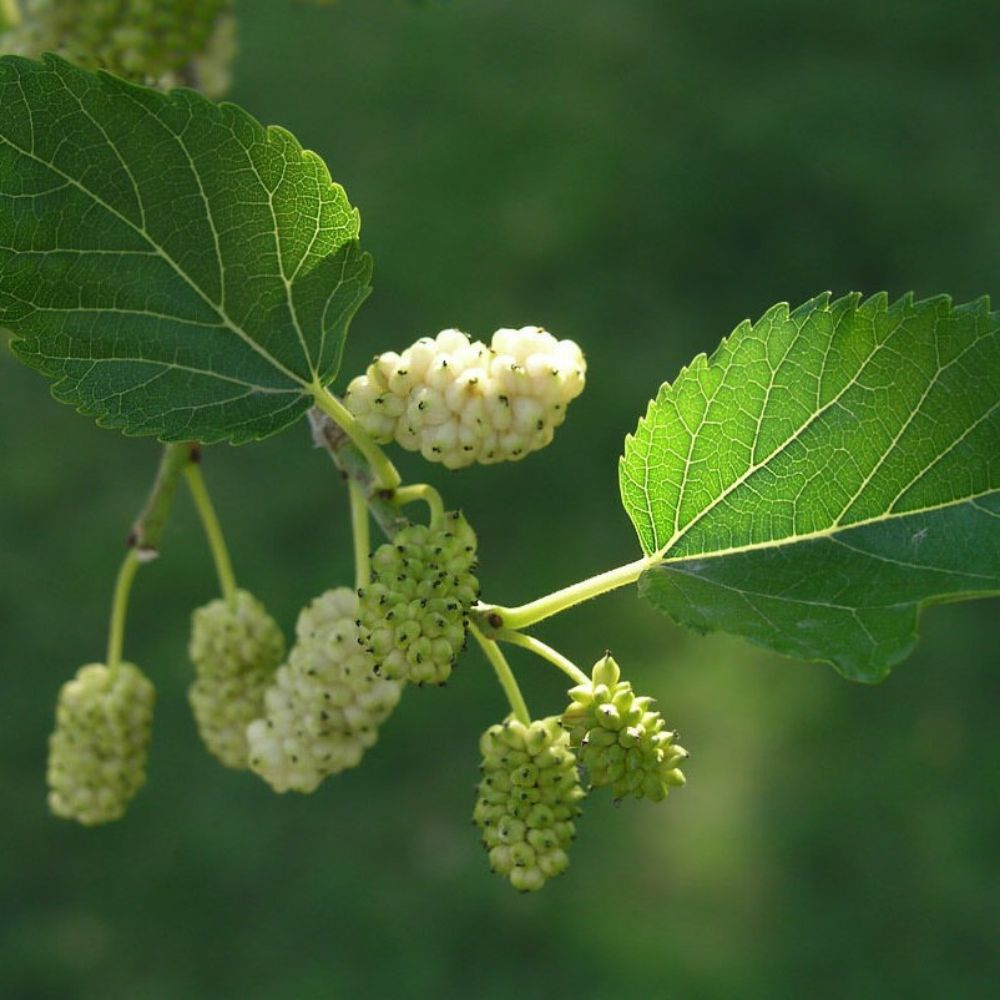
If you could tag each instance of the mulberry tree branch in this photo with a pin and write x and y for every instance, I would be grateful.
(354, 466)
(147, 529)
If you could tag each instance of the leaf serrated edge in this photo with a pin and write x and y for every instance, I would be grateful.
(783, 648)
(851, 302)
(177, 97)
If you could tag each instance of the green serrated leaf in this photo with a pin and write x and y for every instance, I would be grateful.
(173, 266)
(825, 474)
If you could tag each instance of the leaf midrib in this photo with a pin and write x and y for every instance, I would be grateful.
(679, 535)
(853, 610)
(657, 559)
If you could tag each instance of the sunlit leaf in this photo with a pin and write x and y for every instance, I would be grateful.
(172, 266)
(823, 475)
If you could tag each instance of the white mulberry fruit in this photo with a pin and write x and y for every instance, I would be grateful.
(458, 402)
(97, 752)
(414, 614)
(235, 651)
(620, 739)
(326, 704)
(528, 800)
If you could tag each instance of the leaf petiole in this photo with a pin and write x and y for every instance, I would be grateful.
(386, 476)
(495, 616)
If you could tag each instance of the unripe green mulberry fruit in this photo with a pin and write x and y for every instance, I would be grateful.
(528, 800)
(326, 704)
(97, 752)
(414, 614)
(459, 402)
(235, 651)
(620, 739)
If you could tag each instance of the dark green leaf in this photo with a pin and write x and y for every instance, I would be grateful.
(174, 267)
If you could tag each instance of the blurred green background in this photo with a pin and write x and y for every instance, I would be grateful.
(639, 175)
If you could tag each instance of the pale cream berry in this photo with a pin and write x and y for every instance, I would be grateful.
(458, 402)
(326, 703)
(235, 649)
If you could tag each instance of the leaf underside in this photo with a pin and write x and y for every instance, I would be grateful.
(175, 268)
(823, 476)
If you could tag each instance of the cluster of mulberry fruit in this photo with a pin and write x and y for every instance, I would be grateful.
(160, 42)
(528, 800)
(414, 614)
(235, 650)
(458, 402)
(531, 787)
(622, 742)
(294, 723)
(326, 703)
(97, 752)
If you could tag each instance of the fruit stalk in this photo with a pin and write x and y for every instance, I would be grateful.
(213, 532)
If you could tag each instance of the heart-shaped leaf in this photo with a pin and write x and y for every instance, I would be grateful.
(172, 266)
(825, 474)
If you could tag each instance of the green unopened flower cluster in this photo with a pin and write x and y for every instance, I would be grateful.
(414, 614)
(163, 42)
(235, 650)
(528, 800)
(326, 704)
(97, 752)
(622, 742)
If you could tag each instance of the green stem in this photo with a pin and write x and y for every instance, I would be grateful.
(362, 536)
(545, 651)
(504, 675)
(147, 530)
(494, 616)
(426, 493)
(354, 466)
(119, 606)
(386, 476)
(146, 536)
(213, 532)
